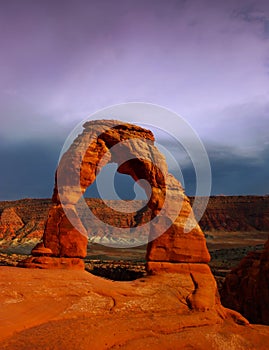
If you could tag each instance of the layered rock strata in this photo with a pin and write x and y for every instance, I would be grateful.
(223, 214)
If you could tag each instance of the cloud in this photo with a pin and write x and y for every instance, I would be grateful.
(207, 60)
(27, 169)
(232, 173)
(66, 62)
(243, 126)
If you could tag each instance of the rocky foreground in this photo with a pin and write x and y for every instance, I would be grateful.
(58, 309)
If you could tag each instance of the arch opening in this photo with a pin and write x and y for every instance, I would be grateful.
(132, 148)
(115, 186)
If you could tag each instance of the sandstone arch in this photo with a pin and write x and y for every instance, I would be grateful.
(183, 256)
(81, 162)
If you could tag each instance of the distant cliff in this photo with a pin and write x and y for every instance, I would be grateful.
(22, 221)
(236, 213)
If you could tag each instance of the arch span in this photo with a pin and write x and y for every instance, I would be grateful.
(132, 148)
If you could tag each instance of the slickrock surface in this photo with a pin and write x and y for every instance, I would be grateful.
(177, 246)
(246, 288)
(57, 309)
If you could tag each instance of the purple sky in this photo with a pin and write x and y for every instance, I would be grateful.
(62, 60)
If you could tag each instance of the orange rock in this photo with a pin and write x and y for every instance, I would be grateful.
(176, 245)
(60, 235)
(10, 222)
(204, 295)
(77, 171)
(45, 309)
(41, 250)
(246, 288)
(45, 262)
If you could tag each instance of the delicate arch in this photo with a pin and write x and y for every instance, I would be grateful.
(105, 141)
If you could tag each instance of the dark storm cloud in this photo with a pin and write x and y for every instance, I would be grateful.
(61, 60)
(255, 15)
(232, 173)
(29, 172)
(27, 169)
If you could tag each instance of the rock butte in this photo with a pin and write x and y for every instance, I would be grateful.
(246, 288)
(175, 253)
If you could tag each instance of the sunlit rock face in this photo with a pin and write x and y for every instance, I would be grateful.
(133, 149)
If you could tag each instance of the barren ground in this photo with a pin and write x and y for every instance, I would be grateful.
(49, 309)
(55, 310)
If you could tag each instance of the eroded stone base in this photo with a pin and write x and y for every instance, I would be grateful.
(44, 262)
(204, 295)
(157, 267)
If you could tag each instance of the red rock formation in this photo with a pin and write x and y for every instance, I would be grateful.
(236, 213)
(46, 262)
(10, 222)
(177, 251)
(246, 288)
(46, 309)
(40, 250)
(22, 221)
(60, 235)
(77, 171)
(203, 296)
(175, 245)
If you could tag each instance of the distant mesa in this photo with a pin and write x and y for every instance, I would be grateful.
(223, 214)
